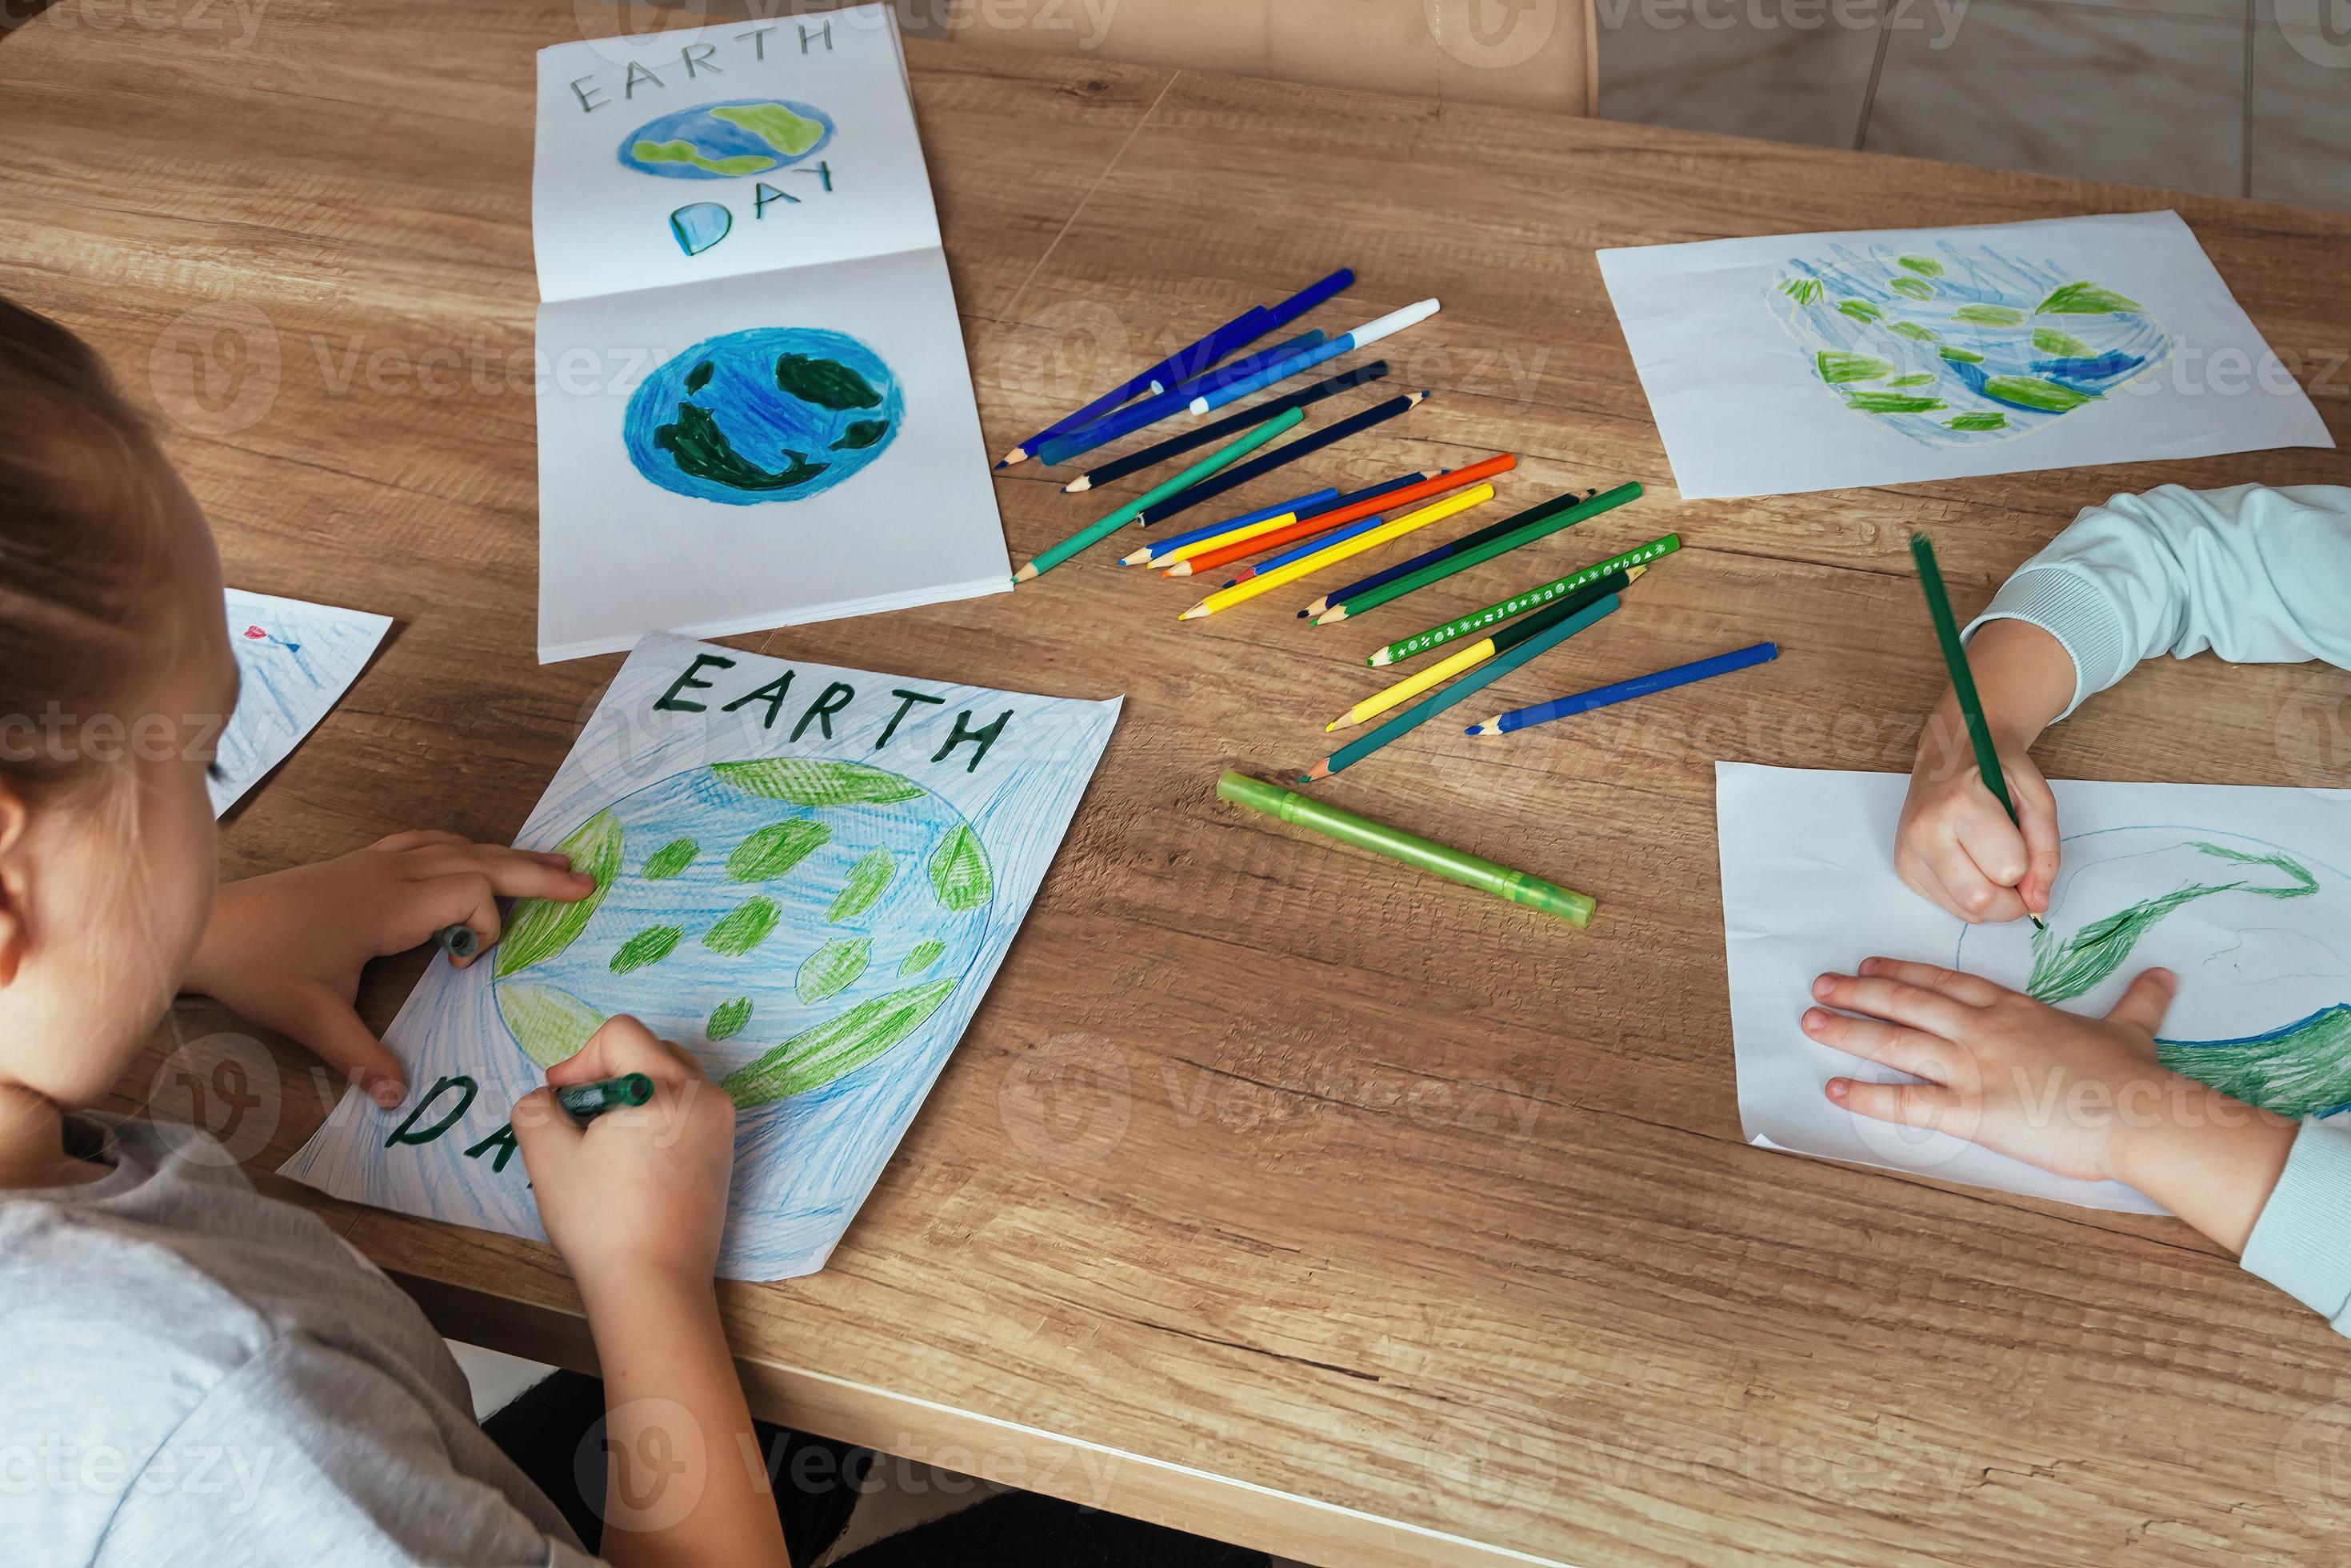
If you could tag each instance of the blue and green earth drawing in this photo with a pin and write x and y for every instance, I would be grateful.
(792, 922)
(727, 141)
(2256, 933)
(769, 413)
(1953, 347)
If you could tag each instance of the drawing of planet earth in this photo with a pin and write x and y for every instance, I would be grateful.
(727, 141)
(770, 413)
(1957, 345)
(789, 922)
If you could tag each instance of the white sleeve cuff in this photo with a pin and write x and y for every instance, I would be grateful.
(2302, 1243)
(2081, 616)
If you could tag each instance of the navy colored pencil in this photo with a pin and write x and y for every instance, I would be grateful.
(1173, 401)
(1625, 691)
(1430, 557)
(1190, 360)
(1288, 452)
(1216, 429)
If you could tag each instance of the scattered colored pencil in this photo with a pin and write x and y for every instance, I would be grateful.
(1096, 532)
(1963, 681)
(1288, 452)
(1394, 528)
(1338, 517)
(1300, 552)
(1175, 399)
(1462, 560)
(1061, 449)
(1519, 604)
(1430, 557)
(1485, 648)
(1193, 357)
(1405, 849)
(1625, 691)
(1363, 337)
(1182, 547)
(1486, 674)
(1280, 512)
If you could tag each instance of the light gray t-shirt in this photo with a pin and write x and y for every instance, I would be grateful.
(196, 1373)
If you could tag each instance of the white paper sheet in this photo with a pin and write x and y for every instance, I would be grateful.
(294, 660)
(809, 876)
(1809, 887)
(756, 409)
(1793, 362)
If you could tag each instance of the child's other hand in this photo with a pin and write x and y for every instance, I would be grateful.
(638, 1194)
(286, 950)
(1957, 847)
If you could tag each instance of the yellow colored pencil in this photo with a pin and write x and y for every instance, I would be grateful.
(1437, 675)
(1436, 511)
(1168, 558)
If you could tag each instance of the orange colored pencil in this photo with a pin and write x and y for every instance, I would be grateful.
(1323, 522)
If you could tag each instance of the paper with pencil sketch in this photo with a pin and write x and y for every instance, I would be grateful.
(293, 662)
(1820, 361)
(2245, 892)
(806, 876)
(754, 404)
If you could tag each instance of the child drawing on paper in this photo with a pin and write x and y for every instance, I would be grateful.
(1955, 343)
(2202, 1125)
(155, 1302)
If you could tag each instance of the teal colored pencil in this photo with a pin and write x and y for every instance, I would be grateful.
(1477, 680)
(1224, 456)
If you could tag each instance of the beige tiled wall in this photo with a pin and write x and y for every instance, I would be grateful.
(1534, 54)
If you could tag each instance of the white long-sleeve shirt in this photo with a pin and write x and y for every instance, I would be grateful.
(2258, 576)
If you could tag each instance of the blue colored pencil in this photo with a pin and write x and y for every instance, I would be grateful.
(1202, 435)
(1242, 329)
(1300, 551)
(1175, 400)
(1288, 452)
(1625, 691)
(1316, 499)
(1363, 337)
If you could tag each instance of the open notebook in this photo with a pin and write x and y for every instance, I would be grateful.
(754, 408)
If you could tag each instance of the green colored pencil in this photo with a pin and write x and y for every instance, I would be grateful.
(1475, 556)
(1519, 604)
(1224, 456)
(1963, 680)
(1438, 701)
(1407, 849)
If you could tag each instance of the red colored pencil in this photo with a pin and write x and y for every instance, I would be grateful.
(1392, 503)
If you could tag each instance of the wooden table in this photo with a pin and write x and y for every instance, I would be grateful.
(1272, 1192)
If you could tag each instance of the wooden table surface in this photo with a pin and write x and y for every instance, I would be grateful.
(1272, 1192)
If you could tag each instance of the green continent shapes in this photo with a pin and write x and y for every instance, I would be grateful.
(789, 134)
(862, 435)
(816, 783)
(2032, 392)
(1961, 356)
(742, 928)
(648, 946)
(727, 1019)
(924, 955)
(1976, 421)
(1836, 366)
(2301, 1070)
(1988, 314)
(539, 928)
(1891, 402)
(815, 1057)
(1802, 290)
(1926, 265)
(776, 848)
(699, 377)
(2085, 299)
(867, 879)
(2061, 345)
(832, 968)
(1912, 330)
(828, 383)
(2063, 970)
(1860, 310)
(671, 858)
(1920, 379)
(549, 1025)
(687, 152)
(1912, 288)
(959, 873)
(701, 448)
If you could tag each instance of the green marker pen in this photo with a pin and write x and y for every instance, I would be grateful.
(458, 941)
(589, 1101)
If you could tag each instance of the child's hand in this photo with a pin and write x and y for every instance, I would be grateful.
(286, 950)
(638, 1194)
(2017, 1076)
(1955, 845)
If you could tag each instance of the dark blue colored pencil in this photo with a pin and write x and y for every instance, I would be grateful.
(1216, 429)
(1290, 451)
(1430, 557)
(1190, 360)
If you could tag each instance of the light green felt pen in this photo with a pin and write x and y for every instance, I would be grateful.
(589, 1101)
(1395, 844)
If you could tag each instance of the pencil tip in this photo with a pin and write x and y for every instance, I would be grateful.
(1017, 454)
(1026, 573)
(1192, 614)
(1077, 486)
